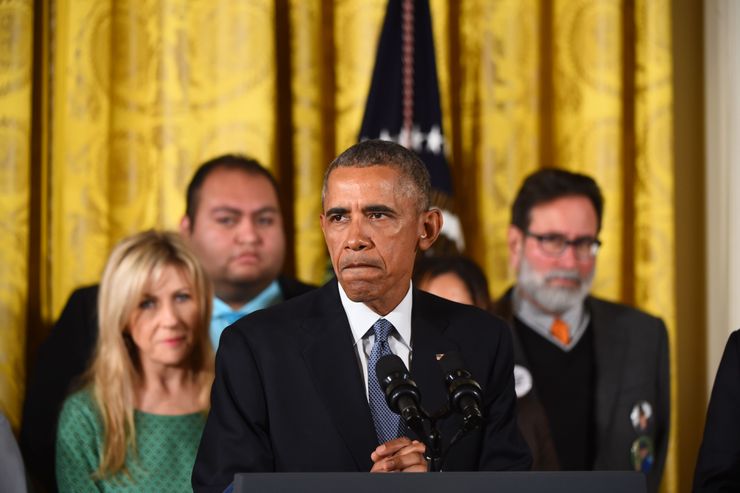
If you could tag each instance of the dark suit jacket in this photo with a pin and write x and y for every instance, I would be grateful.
(60, 361)
(631, 363)
(718, 465)
(289, 394)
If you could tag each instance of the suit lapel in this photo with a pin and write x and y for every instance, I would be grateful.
(330, 357)
(428, 341)
(609, 349)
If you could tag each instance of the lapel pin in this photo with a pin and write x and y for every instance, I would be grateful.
(522, 381)
(641, 417)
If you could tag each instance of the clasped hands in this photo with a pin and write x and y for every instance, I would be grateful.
(399, 455)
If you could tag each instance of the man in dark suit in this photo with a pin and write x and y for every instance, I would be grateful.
(234, 225)
(718, 464)
(295, 388)
(592, 376)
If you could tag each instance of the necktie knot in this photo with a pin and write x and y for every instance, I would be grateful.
(382, 329)
(560, 331)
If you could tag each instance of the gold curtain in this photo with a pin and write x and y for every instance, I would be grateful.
(16, 47)
(132, 95)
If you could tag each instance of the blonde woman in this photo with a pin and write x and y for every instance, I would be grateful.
(136, 424)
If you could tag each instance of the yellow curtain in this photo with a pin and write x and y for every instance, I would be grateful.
(16, 48)
(139, 92)
(525, 84)
(583, 85)
(143, 91)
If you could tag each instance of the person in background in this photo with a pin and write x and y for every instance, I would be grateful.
(12, 472)
(583, 366)
(233, 223)
(456, 278)
(136, 423)
(718, 464)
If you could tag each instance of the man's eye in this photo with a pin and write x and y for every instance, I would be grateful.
(265, 221)
(583, 242)
(337, 218)
(226, 220)
(376, 215)
(554, 239)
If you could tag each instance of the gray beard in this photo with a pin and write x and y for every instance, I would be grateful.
(553, 299)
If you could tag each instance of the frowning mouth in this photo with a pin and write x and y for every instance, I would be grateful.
(245, 257)
(563, 282)
(358, 264)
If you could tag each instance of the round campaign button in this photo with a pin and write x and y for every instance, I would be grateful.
(522, 381)
(642, 454)
(642, 417)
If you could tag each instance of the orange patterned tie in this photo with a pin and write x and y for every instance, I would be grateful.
(559, 330)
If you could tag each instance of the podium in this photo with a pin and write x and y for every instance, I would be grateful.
(443, 482)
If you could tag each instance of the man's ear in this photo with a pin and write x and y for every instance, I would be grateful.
(431, 225)
(185, 227)
(515, 243)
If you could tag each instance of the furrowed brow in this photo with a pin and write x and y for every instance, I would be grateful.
(378, 208)
(337, 210)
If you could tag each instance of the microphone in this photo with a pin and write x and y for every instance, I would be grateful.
(465, 393)
(401, 393)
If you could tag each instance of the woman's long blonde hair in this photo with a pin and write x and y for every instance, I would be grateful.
(135, 263)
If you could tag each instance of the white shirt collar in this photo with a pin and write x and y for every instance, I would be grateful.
(361, 317)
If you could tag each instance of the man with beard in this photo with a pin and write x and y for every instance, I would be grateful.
(582, 365)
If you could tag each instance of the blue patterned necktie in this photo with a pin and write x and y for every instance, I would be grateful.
(387, 423)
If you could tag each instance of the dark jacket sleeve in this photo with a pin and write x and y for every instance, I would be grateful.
(718, 465)
(60, 360)
(663, 409)
(504, 447)
(236, 436)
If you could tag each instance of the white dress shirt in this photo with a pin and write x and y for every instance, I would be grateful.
(361, 320)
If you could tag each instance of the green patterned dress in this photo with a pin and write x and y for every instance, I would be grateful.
(166, 450)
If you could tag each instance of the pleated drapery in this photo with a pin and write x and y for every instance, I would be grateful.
(132, 95)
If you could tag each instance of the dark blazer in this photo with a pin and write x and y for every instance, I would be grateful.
(61, 359)
(289, 394)
(718, 465)
(631, 365)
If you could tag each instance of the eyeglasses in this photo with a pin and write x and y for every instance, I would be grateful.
(554, 244)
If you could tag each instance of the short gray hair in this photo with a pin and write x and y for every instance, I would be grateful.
(384, 153)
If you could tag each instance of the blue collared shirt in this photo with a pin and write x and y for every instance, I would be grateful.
(224, 315)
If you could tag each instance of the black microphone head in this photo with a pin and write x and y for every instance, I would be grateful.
(464, 392)
(395, 381)
(389, 365)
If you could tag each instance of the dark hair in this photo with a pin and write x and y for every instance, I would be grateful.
(384, 153)
(550, 184)
(238, 162)
(468, 271)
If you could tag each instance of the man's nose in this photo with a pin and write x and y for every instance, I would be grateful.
(568, 258)
(246, 232)
(357, 239)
